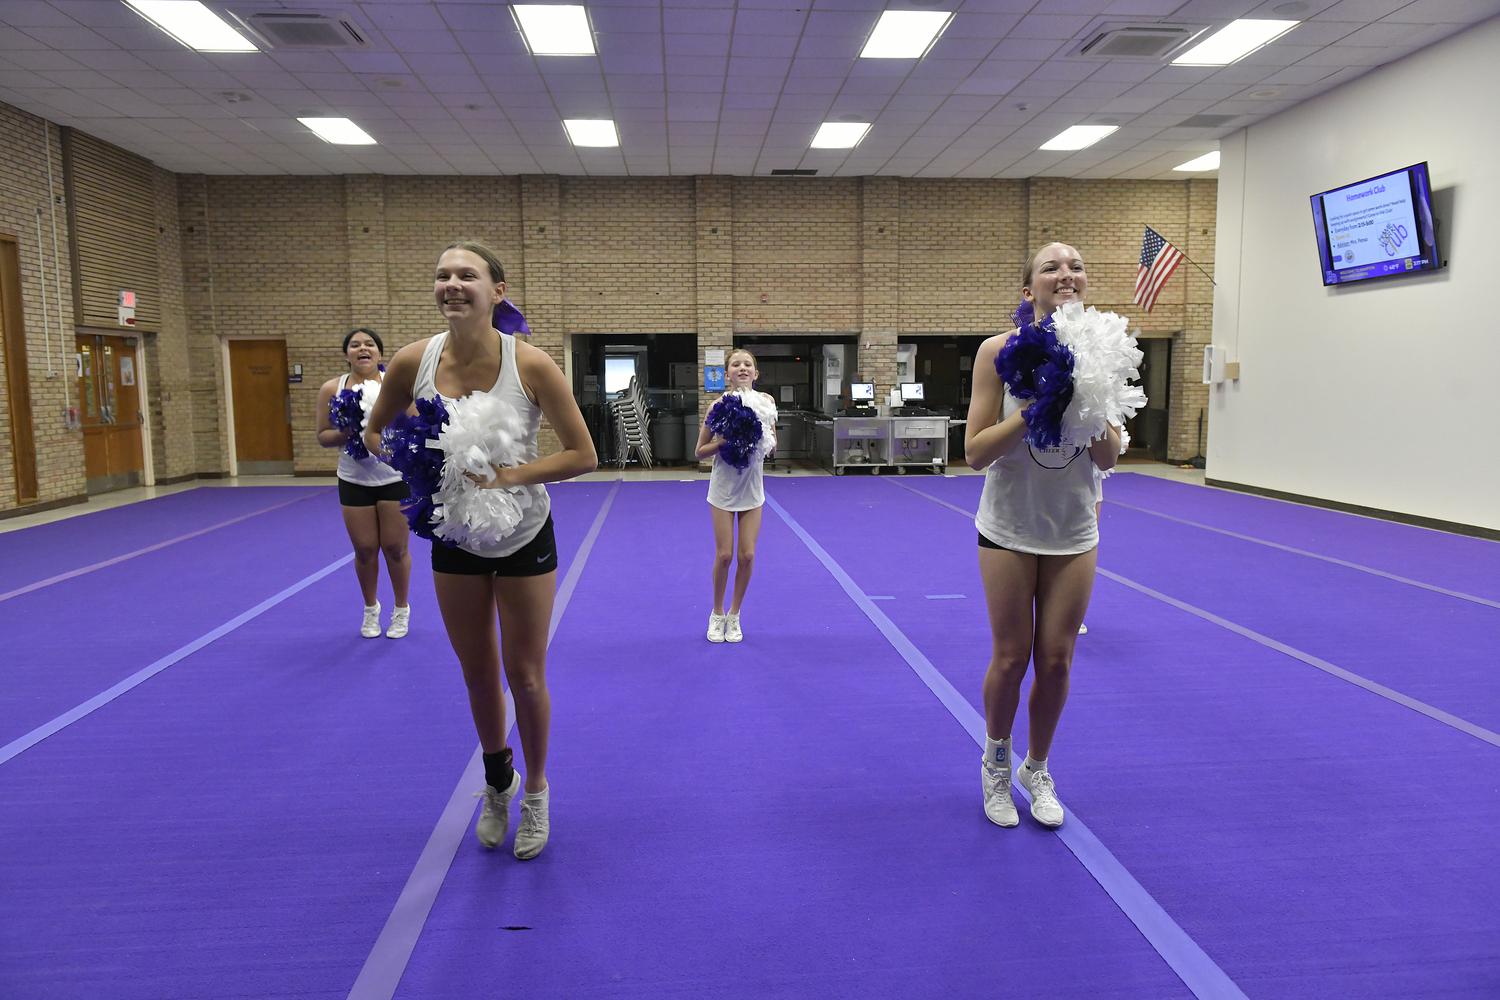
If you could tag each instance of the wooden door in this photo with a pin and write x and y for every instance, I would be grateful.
(17, 372)
(262, 407)
(110, 411)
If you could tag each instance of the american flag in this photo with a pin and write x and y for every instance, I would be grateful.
(1158, 260)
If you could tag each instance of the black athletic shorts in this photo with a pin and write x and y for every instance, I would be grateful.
(355, 495)
(985, 543)
(535, 558)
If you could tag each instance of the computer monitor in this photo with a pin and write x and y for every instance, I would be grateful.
(911, 391)
(861, 391)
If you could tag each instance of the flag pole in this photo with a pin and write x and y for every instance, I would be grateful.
(1185, 257)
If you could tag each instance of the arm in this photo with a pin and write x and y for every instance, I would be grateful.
(545, 383)
(329, 436)
(708, 442)
(986, 436)
(395, 393)
(1105, 450)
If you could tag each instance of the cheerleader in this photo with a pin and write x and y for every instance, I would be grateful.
(736, 494)
(1038, 536)
(370, 492)
(496, 600)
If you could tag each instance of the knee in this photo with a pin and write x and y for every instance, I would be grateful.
(723, 557)
(746, 560)
(527, 685)
(395, 552)
(1008, 668)
(1053, 666)
(366, 553)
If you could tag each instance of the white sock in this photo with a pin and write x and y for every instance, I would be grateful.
(1034, 765)
(373, 607)
(533, 796)
(997, 752)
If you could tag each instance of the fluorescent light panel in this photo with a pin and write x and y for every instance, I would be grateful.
(192, 24)
(555, 30)
(1208, 161)
(1078, 137)
(591, 132)
(1233, 42)
(840, 135)
(905, 34)
(340, 131)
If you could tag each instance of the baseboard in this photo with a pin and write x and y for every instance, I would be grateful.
(44, 505)
(174, 480)
(1436, 524)
(211, 475)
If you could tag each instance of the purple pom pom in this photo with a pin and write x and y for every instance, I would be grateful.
(1033, 365)
(1025, 313)
(422, 467)
(346, 414)
(508, 319)
(740, 428)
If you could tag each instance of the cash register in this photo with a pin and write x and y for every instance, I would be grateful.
(911, 401)
(861, 400)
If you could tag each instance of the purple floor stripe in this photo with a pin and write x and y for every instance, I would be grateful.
(387, 961)
(59, 578)
(41, 732)
(1437, 714)
(1197, 971)
(1313, 555)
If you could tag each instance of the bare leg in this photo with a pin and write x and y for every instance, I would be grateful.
(1009, 587)
(1063, 587)
(723, 554)
(525, 605)
(364, 532)
(745, 563)
(394, 537)
(468, 607)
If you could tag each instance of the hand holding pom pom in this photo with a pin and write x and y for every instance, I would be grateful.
(1035, 366)
(1105, 360)
(347, 411)
(411, 443)
(740, 418)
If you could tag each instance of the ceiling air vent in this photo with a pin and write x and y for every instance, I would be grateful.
(1206, 121)
(1137, 41)
(290, 29)
(793, 172)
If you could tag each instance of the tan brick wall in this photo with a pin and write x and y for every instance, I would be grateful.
(169, 365)
(27, 144)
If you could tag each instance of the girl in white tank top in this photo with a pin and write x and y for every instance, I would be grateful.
(1038, 536)
(518, 574)
(734, 495)
(370, 494)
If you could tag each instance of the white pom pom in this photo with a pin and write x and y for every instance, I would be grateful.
(482, 433)
(1105, 357)
(766, 411)
(368, 392)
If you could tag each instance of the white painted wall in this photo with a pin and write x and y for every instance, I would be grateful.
(1383, 393)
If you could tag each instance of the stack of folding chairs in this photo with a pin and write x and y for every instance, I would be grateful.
(631, 431)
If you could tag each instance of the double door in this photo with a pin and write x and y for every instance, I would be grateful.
(110, 411)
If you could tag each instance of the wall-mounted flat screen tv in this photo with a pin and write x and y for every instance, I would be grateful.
(1380, 226)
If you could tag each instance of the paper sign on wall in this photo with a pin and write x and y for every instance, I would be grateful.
(834, 386)
(713, 378)
(788, 393)
(127, 371)
(713, 357)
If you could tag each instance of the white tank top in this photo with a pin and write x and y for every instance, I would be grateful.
(1039, 500)
(367, 471)
(737, 489)
(507, 388)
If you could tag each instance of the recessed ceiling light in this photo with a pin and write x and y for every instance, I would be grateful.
(840, 135)
(905, 34)
(340, 131)
(192, 24)
(1078, 137)
(1263, 95)
(555, 30)
(591, 131)
(1208, 161)
(1233, 42)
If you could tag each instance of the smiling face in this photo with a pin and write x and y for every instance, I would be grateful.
(363, 354)
(464, 291)
(741, 371)
(1057, 278)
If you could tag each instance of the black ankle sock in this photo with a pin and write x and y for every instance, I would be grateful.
(498, 772)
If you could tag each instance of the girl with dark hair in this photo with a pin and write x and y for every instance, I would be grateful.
(370, 492)
(496, 599)
(1038, 538)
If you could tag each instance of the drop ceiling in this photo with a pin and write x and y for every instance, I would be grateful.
(695, 87)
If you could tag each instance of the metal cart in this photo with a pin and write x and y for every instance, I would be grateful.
(919, 442)
(861, 443)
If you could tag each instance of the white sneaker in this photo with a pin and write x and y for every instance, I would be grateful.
(1083, 630)
(715, 628)
(371, 627)
(400, 621)
(732, 631)
(494, 818)
(531, 834)
(997, 801)
(1045, 808)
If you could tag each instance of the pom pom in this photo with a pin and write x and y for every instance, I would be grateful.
(1105, 358)
(746, 421)
(349, 410)
(508, 319)
(482, 432)
(1035, 366)
(412, 444)
(1025, 313)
